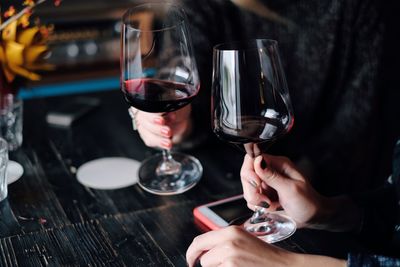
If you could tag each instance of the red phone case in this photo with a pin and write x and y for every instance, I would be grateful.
(203, 220)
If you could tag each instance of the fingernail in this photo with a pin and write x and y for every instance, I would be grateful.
(263, 164)
(253, 183)
(166, 132)
(166, 144)
(263, 204)
(159, 121)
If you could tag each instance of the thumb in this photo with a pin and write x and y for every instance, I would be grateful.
(268, 174)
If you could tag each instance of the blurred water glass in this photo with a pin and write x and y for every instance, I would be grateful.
(3, 168)
(11, 112)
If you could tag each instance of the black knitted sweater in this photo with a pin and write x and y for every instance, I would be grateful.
(331, 52)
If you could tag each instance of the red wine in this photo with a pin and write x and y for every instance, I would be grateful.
(252, 133)
(153, 95)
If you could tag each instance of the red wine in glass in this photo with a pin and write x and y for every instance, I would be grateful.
(261, 132)
(152, 95)
(159, 75)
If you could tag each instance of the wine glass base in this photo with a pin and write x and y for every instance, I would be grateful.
(271, 227)
(170, 184)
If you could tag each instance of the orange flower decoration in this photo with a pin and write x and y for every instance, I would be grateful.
(10, 12)
(29, 3)
(23, 48)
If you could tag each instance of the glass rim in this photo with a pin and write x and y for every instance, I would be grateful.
(243, 45)
(140, 6)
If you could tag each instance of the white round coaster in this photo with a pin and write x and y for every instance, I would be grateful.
(14, 171)
(109, 173)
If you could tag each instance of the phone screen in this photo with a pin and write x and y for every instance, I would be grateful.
(231, 210)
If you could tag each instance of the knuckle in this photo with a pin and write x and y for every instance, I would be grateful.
(286, 165)
(196, 239)
(231, 262)
(137, 115)
(234, 231)
(231, 247)
(273, 175)
(294, 188)
(148, 142)
(286, 168)
(247, 175)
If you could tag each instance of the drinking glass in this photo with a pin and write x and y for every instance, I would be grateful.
(251, 108)
(159, 74)
(11, 125)
(11, 120)
(3, 168)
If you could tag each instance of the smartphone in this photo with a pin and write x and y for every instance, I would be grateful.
(73, 110)
(222, 213)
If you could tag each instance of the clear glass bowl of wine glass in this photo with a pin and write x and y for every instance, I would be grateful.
(159, 75)
(251, 109)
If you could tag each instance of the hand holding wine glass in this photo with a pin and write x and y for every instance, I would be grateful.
(163, 130)
(159, 75)
(251, 109)
(295, 194)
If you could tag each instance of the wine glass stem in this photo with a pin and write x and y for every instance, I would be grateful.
(168, 166)
(259, 211)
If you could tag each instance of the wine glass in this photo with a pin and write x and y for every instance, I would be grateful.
(159, 74)
(251, 108)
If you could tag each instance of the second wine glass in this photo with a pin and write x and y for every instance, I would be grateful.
(251, 109)
(159, 75)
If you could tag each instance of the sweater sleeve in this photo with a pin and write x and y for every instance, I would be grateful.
(365, 260)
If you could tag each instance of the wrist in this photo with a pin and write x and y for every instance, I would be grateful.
(307, 260)
(290, 259)
(298, 260)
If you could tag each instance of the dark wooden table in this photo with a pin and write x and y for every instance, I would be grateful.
(50, 219)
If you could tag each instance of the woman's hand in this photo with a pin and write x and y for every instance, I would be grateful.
(276, 180)
(163, 129)
(233, 246)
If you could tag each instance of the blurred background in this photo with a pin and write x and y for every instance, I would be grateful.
(86, 46)
(86, 40)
